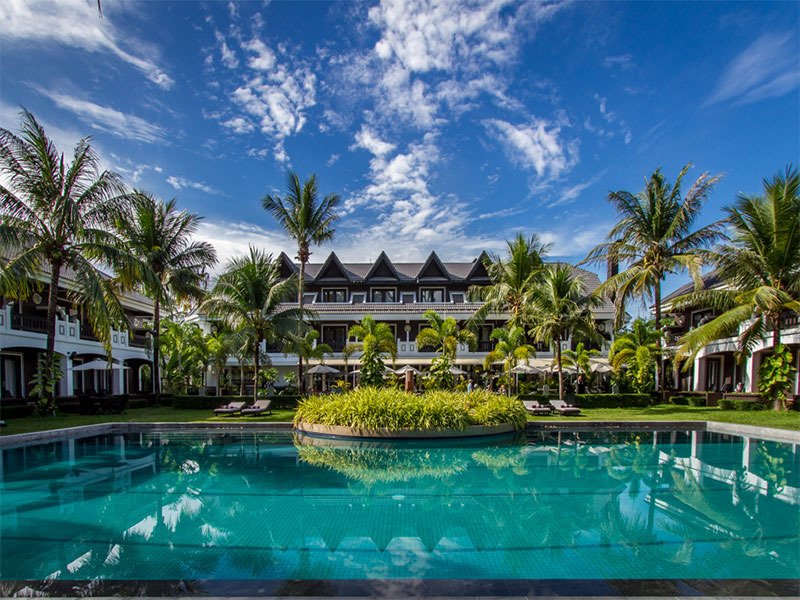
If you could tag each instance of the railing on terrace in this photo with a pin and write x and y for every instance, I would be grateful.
(33, 323)
(87, 333)
(485, 346)
(139, 340)
(790, 320)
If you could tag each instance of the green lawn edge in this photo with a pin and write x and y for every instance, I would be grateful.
(662, 412)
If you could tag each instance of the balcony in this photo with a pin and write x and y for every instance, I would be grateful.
(34, 323)
(139, 340)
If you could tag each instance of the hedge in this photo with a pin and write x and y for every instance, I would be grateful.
(748, 405)
(725, 404)
(611, 400)
(679, 400)
(15, 408)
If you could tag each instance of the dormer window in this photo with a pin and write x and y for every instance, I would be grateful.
(431, 294)
(334, 295)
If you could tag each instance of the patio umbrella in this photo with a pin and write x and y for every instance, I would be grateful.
(527, 370)
(457, 371)
(99, 365)
(601, 368)
(407, 368)
(322, 370)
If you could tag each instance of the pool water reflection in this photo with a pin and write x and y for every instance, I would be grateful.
(268, 506)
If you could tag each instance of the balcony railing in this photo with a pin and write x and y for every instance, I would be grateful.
(33, 323)
(790, 320)
(87, 333)
(139, 340)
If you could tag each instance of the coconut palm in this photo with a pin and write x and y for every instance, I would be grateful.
(444, 335)
(247, 297)
(374, 340)
(654, 237)
(580, 358)
(307, 220)
(558, 308)
(160, 236)
(642, 334)
(219, 346)
(512, 278)
(511, 347)
(58, 216)
(760, 269)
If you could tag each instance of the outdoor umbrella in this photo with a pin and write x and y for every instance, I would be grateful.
(322, 370)
(405, 369)
(601, 368)
(99, 365)
(527, 370)
(457, 371)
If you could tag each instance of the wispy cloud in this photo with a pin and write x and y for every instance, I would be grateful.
(107, 119)
(535, 146)
(622, 61)
(77, 24)
(227, 55)
(573, 192)
(767, 68)
(180, 183)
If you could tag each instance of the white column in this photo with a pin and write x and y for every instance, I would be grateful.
(67, 386)
(699, 374)
(747, 370)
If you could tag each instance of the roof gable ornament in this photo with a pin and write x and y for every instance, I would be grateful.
(433, 270)
(332, 270)
(382, 269)
(478, 270)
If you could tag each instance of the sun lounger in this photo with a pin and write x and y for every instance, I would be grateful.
(565, 409)
(259, 408)
(231, 408)
(536, 409)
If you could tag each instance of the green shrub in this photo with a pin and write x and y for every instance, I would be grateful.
(679, 400)
(697, 400)
(138, 403)
(611, 400)
(15, 408)
(375, 408)
(725, 404)
(748, 405)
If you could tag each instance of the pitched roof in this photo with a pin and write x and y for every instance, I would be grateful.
(710, 280)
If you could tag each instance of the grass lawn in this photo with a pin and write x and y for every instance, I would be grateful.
(669, 412)
(662, 412)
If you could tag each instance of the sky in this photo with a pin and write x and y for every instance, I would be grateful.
(442, 126)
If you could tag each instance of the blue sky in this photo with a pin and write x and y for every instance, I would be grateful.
(446, 127)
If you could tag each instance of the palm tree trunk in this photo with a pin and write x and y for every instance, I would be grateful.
(560, 371)
(256, 355)
(301, 384)
(156, 370)
(241, 379)
(52, 304)
(660, 361)
(219, 381)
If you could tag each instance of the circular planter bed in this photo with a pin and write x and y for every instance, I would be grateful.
(357, 432)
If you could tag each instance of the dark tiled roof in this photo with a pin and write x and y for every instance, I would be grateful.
(710, 280)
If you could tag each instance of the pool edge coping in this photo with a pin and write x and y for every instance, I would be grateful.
(770, 433)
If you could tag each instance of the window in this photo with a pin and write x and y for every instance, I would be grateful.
(431, 294)
(334, 295)
(383, 295)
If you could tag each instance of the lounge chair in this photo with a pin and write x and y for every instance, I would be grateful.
(565, 409)
(231, 408)
(259, 408)
(536, 409)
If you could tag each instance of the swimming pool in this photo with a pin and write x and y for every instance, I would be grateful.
(270, 510)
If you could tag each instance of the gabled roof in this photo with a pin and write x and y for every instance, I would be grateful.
(332, 270)
(433, 270)
(382, 270)
(710, 280)
(478, 269)
(286, 266)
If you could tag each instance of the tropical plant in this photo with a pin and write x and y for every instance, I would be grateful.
(58, 216)
(511, 279)
(183, 356)
(248, 296)
(375, 340)
(444, 335)
(160, 237)
(511, 346)
(760, 269)
(45, 381)
(636, 351)
(558, 308)
(307, 346)
(654, 237)
(777, 375)
(307, 220)
(580, 359)
(219, 346)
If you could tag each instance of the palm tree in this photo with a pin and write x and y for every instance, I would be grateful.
(248, 296)
(511, 346)
(308, 221)
(642, 334)
(760, 269)
(559, 308)
(375, 339)
(655, 236)
(512, 279)
(580, 358)
(59, 216)
(160, 236)
(444, 335)
(307, 346)
(219, 346)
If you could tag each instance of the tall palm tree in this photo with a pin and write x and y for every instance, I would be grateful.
(219, 346)
(654, 237)
(160, 236)
(306, 219)
(760, 269)
(444, 335)
(248, 296)
(374, 340)
(57, 216)
(511, 346)
(511, 279)
(642, 334)
(307, 346)
(558, 308)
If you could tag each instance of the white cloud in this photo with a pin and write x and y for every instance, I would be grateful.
(623, 61)
(238, 125)
(369, 141)
(767, 68)
(610, 117)
(227, 55)
(231, 239)
(334, 158)
(104, 118)
(571, 193)
(180, 183)
(535, 146)
(262, 59)
(77, 24)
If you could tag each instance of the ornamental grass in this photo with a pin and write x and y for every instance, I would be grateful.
(381, 408)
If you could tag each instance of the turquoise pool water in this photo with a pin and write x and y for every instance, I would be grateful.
(250, 506)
